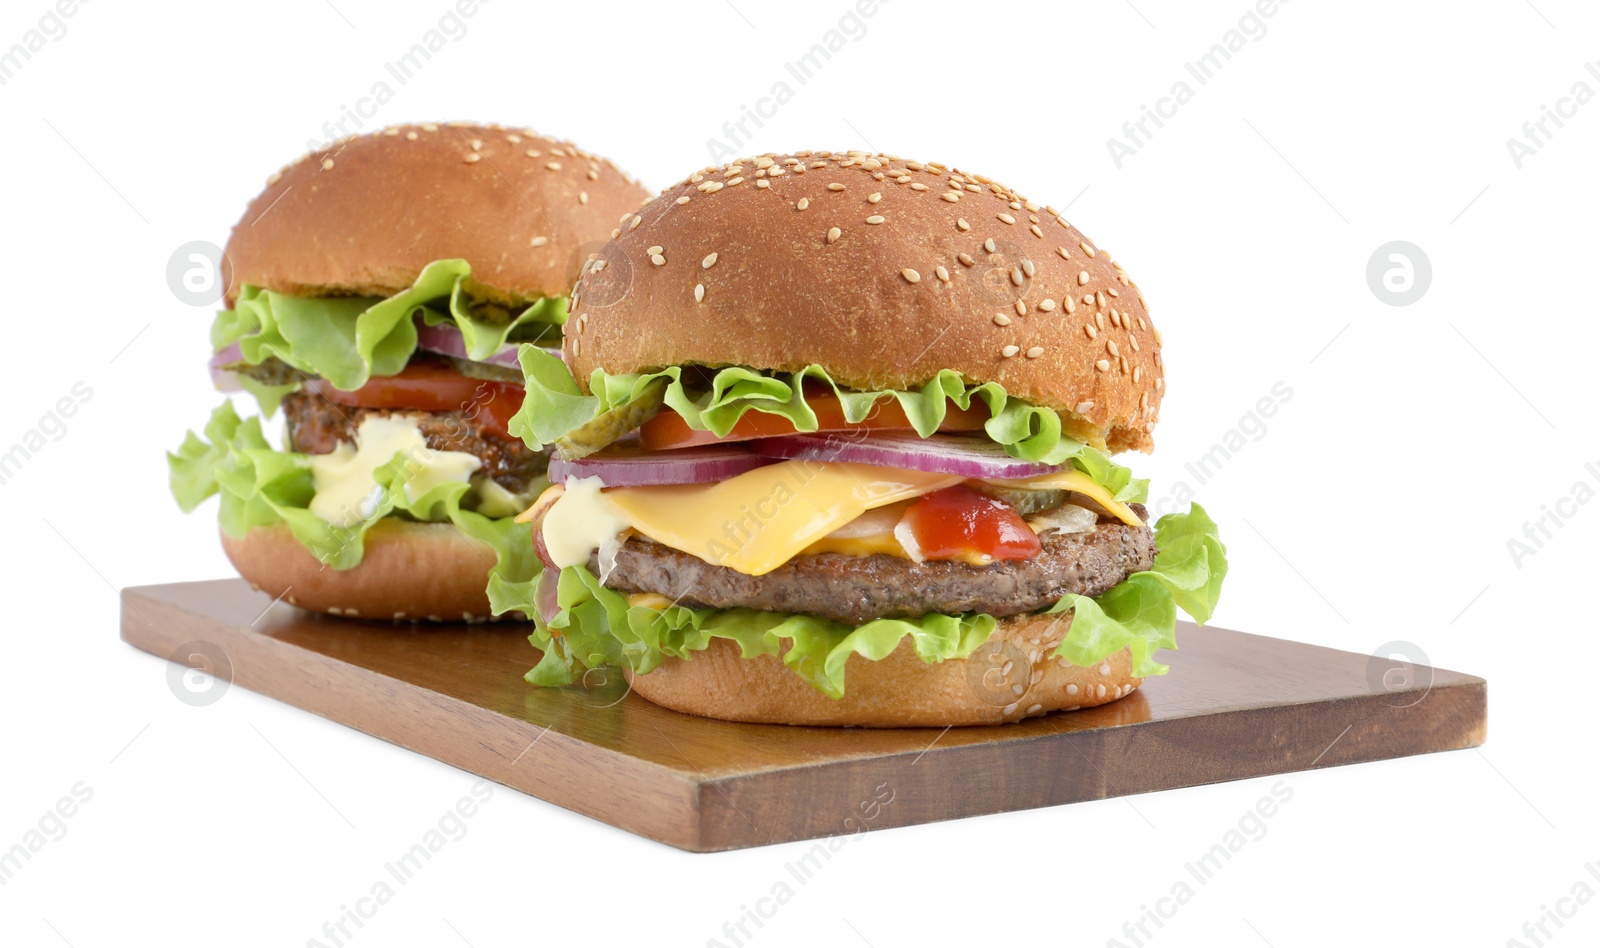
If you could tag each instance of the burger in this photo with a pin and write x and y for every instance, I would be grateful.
(377, 292)
(832, 439)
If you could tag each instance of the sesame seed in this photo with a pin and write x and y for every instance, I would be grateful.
(652, 251)
(1140, 321)
(1160, 384)
(875, 219)
(918, 186)
(707, 261)
(429, 127)
(911, 275)
(835, 186)
(1063, 252)
(1100, 320)
(962, 225)
(1134, 342)
(974, 188)
(1015, 205)
(1116, 318)
(1123, 361)
(1083, 278)
(1016, 276)
(988, 245)
(1111, 291)
(734, 181)
(1047, 305)
(1086, 248)
(966, 259)
(699, 292)
(833, 234)
(327, 164)
(553, 165)
(1083, 407)
(583, 197)
(711, 187)
(1111, 346)
(763, 183)
(538, 241)
(1089, 330)
(472, 157)
(1100, 299)
(635, 222)
(1088, 298)
(1137, 371)
(1103, 365)
(874, 197)
(1001, 319)
(1036, 352)
(1010, 709)
(1157, 334)
(1036, 231)
(802, 204)
(533, 153)
(951, 196)
(1021, 308)
(1071, 306)
(1010, 351)
(683, 200)
(477, 144)
(1007, 218)
(1027, 268)
(412, 136)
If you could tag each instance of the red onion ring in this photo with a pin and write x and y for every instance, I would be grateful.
(447, 340)
(636, 467)
(940, 454)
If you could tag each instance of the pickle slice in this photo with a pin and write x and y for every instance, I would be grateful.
(610, 425)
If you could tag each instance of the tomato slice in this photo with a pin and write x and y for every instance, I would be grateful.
(960, 523)
(432, 387)
(668, 429)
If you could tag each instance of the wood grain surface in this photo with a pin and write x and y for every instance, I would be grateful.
(1234, 706)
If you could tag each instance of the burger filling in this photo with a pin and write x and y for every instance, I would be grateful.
(688, 506)
(396, 407)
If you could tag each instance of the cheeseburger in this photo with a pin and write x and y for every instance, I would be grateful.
(377, 292)
(832, 442)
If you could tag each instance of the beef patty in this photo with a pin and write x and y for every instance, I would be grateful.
(316, 426)
(857, 589)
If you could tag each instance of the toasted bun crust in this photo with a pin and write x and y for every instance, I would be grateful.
(929, 268)
(366, 215)
(994, 685)
(410, 571)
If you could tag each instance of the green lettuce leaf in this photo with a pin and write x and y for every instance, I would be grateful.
(347, 340)
(260, 486)
(1140, 613)
(554, 405)
(595, 626)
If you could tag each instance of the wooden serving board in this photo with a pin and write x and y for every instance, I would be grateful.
(1233, 706)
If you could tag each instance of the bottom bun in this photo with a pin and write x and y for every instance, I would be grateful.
(1010, 677)
(410, 571)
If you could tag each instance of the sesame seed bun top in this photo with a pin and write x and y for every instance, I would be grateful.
(364, 216)
(883, 271)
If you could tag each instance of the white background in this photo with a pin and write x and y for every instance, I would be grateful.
(1376, 505)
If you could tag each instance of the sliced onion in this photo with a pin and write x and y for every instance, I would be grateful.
(544, 594)
(636, 467)
(447, 340)
(221, 378)
(1067, 518)
(940, 454)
